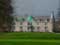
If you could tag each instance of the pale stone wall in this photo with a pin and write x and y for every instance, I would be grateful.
(17, 28)
(25, 26)
(44, 26)
(50, 27)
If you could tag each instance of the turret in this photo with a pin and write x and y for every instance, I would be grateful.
(52, 18)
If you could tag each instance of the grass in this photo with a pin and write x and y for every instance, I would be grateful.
(30, 35)
(29, 42)
(29, 38)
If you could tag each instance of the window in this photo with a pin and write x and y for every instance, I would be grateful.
(40, 19)
(38, 28)
(48, 20)
(21, 27)
(20, 23)
(13, 28)
(45, 23)
(46, 27)
(29, 23)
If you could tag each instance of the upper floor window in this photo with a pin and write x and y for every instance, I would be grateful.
(45, 23)
(46, 29)
(29, 23)
(21, 23)
(40, 19)
(48, 20)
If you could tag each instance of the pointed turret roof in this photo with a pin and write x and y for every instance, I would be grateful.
(30, 18)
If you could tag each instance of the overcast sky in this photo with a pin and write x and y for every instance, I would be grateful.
(34, 7)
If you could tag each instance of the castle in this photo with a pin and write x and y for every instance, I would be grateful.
(33, 23)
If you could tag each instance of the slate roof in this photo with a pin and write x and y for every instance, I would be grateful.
(30, 18)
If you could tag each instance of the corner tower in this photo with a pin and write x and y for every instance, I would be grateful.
(52, 20)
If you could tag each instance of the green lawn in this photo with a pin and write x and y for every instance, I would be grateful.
(29, 42)
(30, 38)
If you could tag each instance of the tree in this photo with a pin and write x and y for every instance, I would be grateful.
(57, 23)
(5, 14)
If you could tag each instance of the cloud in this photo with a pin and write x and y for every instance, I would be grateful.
(34, 7)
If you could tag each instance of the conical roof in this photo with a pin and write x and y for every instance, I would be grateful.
(29, 19)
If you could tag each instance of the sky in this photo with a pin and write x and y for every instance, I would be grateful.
(34, 7)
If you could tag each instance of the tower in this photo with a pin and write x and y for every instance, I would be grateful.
(53, 21)
(52, 16)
